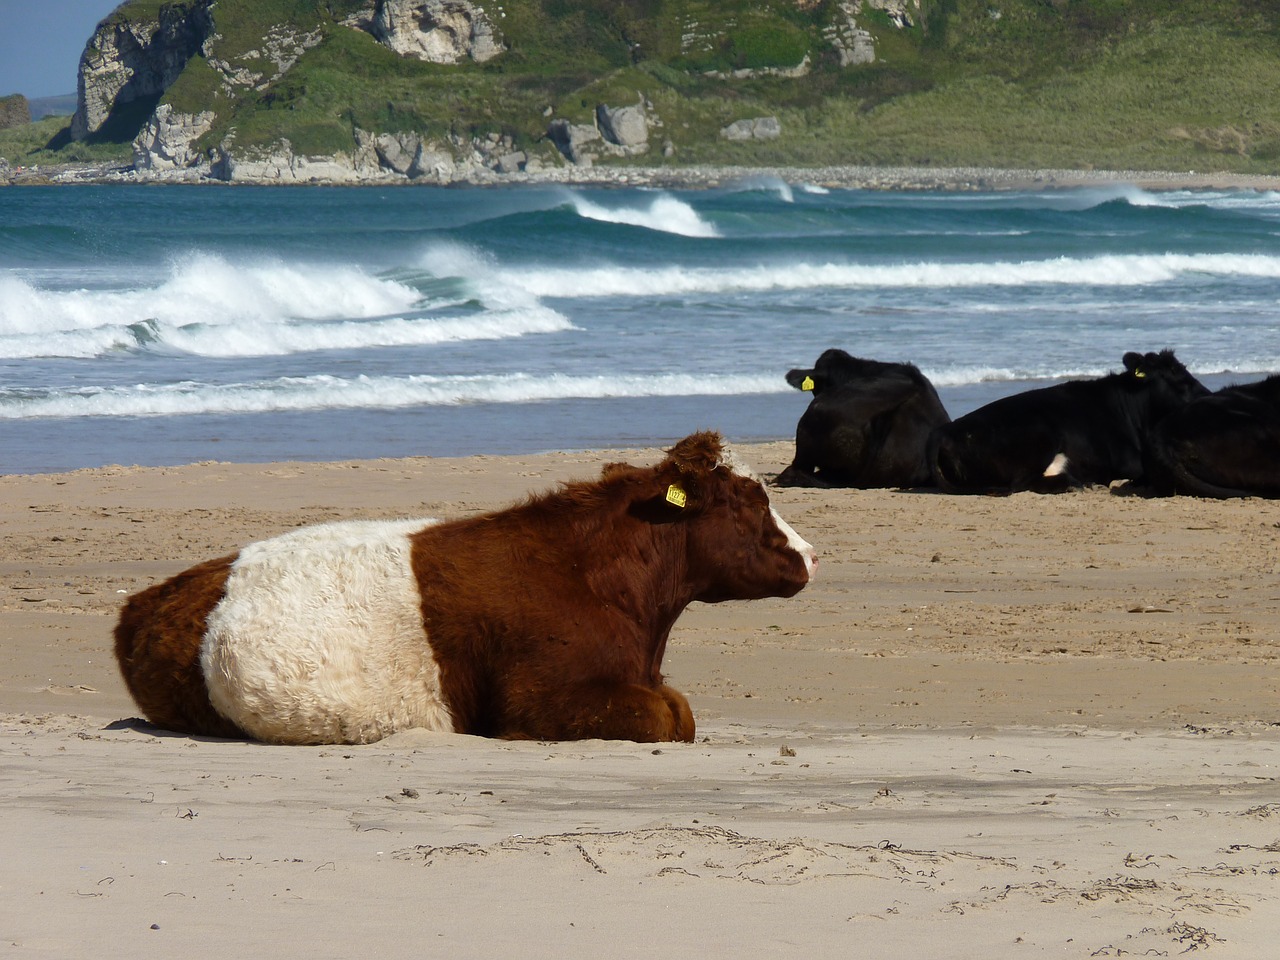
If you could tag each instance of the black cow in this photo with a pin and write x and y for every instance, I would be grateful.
(1224, 445)
(868, 424)
(1068, 435)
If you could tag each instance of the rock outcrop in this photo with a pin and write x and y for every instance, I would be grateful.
(279, 164)
(413, 157)
(755, 128)
(903, 13)
(14, 111)
(626, 127)
(572, 138)
(438, 31)
(129, 60)
(374, 158)
(258, 68)
(618, 131)
(166, 141)
(852, 44)
(855, 45)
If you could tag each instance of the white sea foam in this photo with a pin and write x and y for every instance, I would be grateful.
(962, 375)
(775, 185)
(452, 259)
(1264, 203)
(249, 341)
(78, 344)
(206, 289)
(208, 306)
(663, 213)
(323, 392)
(1107, 271)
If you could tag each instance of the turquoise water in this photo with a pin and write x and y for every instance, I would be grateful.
(144, 324)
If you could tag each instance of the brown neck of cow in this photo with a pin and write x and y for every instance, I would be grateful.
(640, 570)
(562, 589)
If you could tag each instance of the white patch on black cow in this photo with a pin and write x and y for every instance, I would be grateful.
(1057, 467)
(319, 638)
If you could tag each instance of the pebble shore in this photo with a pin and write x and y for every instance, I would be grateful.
(695, 177)
(893, 178)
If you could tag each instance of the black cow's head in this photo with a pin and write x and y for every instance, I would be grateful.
(833, 368)
(1163, 380)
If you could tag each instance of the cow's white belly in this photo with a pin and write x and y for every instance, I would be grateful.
(319, 638)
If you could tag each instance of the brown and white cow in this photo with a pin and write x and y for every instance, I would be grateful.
(547, 620)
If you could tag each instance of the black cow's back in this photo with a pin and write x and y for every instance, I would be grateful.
(1070, 434)
(1224, 445)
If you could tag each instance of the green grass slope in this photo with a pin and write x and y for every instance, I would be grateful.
(1131, 84)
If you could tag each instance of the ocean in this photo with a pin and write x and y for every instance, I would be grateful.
(172, 324)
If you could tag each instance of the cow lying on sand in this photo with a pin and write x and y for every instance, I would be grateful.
(1224, 445)
(547, 620)
(868, 424)
(1054, 438)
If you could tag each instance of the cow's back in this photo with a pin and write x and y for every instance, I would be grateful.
(1043, 440)
(319, 638)
(1221, 446)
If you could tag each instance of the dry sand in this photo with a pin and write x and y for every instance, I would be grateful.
(1031, 726)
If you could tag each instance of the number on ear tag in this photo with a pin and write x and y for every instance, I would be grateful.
(676, 497)
(806, 383)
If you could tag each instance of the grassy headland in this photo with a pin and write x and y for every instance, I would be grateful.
(1123, 84)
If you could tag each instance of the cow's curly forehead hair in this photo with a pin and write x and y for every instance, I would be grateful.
(705, 452)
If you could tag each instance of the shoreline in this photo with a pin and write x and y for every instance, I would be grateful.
(852, 177)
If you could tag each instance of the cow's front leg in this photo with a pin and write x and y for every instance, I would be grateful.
(613, 711)
(800, 476)
(685, 726)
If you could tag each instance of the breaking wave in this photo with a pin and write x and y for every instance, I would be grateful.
(208, 306)
(663, 213)
(324, 392)
(1107, 271)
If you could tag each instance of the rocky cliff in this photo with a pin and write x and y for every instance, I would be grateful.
(205, 88)
(131, 59)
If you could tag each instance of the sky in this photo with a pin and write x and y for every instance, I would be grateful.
(41, 42)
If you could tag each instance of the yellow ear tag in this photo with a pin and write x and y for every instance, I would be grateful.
(676, 496)
(806, 383)
(1139, 373)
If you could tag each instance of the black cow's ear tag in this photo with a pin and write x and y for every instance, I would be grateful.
(676, 496)
(1139, 373)
(806, 383)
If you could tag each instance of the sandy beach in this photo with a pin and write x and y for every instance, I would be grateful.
(991, 727)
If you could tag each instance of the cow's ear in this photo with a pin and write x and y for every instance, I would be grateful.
(1132, 361)
(672, 496)
(801, 379)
